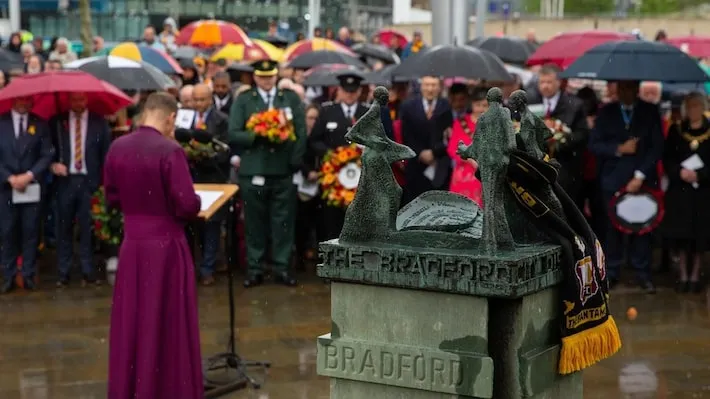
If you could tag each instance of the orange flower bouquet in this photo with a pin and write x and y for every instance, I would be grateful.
(340, 174)
(272, 125)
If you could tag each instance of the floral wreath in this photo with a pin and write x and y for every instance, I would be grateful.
(333, 163)
(274, 125)
(108, 222)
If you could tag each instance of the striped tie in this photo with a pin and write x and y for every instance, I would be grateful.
(78, 147)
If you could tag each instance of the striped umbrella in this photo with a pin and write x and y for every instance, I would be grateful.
(317, 44)
(275, 53)
(211, 33)
(124, 73)
(241, 52)
(157, 58)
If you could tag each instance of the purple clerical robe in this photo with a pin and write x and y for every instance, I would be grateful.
(154, 339)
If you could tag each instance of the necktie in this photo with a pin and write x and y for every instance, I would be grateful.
(268, 100)
(548, 108)
(429, 109)
(20, 126)
(198, 122)
(78, 147)
(351, 115)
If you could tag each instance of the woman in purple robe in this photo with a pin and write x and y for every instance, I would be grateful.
(154, 340)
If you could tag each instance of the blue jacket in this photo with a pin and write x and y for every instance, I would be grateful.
(610, 131)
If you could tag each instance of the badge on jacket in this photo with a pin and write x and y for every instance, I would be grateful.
(331, 125)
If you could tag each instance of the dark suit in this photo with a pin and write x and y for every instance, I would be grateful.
(328, 134)
(227, 106)
(615, 171)
(30, 151)
(74, 191)
(569, 111)
(419, 134)
(216, 171)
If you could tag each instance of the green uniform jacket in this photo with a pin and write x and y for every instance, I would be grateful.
(259, 157)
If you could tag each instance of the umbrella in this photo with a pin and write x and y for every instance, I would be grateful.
(187, 53)
(211, 33)
(277, 41)
(124, 73)
(376, 51)
(315, 58)
(317, 44)
(241, 52)
(274, 52)
(452, 61)
(10, 60)
(326, 75)
(696, 46)
(50, 92)
(157, 58)
(564, 48)
(512, 50)
(636, 60)
(386, 36)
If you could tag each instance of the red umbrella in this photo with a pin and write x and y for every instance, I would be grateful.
(695, 46)
(564, 48)
(386, 36)
(50, 92)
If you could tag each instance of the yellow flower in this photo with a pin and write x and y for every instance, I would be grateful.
(328, 179)
(348, 196)
(31, 129)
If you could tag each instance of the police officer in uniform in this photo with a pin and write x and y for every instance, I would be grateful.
(333, 123)
(266, 174)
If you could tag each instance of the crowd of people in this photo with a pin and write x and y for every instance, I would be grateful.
(612, 139)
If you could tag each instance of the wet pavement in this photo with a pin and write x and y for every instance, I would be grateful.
(53, 344)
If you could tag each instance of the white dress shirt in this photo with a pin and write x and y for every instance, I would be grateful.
(19, 121)
(429, 107)
(349, 110)
(72, 140)
(268, 95)
(221, 102)
(551, 103)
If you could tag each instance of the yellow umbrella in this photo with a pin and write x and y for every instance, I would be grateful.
(240, 52)
(274, 52)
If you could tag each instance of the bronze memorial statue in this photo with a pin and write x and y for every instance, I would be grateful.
(441, 298)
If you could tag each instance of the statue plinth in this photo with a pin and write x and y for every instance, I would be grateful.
(423, 323)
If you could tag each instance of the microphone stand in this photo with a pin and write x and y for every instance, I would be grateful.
(230, 360)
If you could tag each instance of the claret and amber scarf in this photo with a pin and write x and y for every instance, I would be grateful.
(589, 333)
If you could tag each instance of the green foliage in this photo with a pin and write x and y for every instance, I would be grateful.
(576, 7)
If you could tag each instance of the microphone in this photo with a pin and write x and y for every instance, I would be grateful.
(183, 135)
(202, 136)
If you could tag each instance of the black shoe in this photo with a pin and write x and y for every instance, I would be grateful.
(88, 280)
(682, 286)
(62, 283)
(286, 279)
(8, 286)
(29, 284)
(695, 287)
(253, 281)
(648, 287)
(613, 282)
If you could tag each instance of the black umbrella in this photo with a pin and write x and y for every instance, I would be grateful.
(385, 77)
(124, 73)
(512, 50)
(636, 60)
(451, 61)
(278, 41)
(326, 75)
(10, 60)
(376, 51)
(315, 58)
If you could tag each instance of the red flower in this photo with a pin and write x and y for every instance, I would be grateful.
(97, 225)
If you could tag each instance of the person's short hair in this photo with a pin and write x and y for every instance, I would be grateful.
(161, 102)
(222, 75)
(479, 94)
(27, 46)
(458, 88)
(549, 69)
(64, 41)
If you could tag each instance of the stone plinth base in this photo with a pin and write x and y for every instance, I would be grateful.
(474, 328)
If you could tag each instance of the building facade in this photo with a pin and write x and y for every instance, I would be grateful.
(119, 20)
